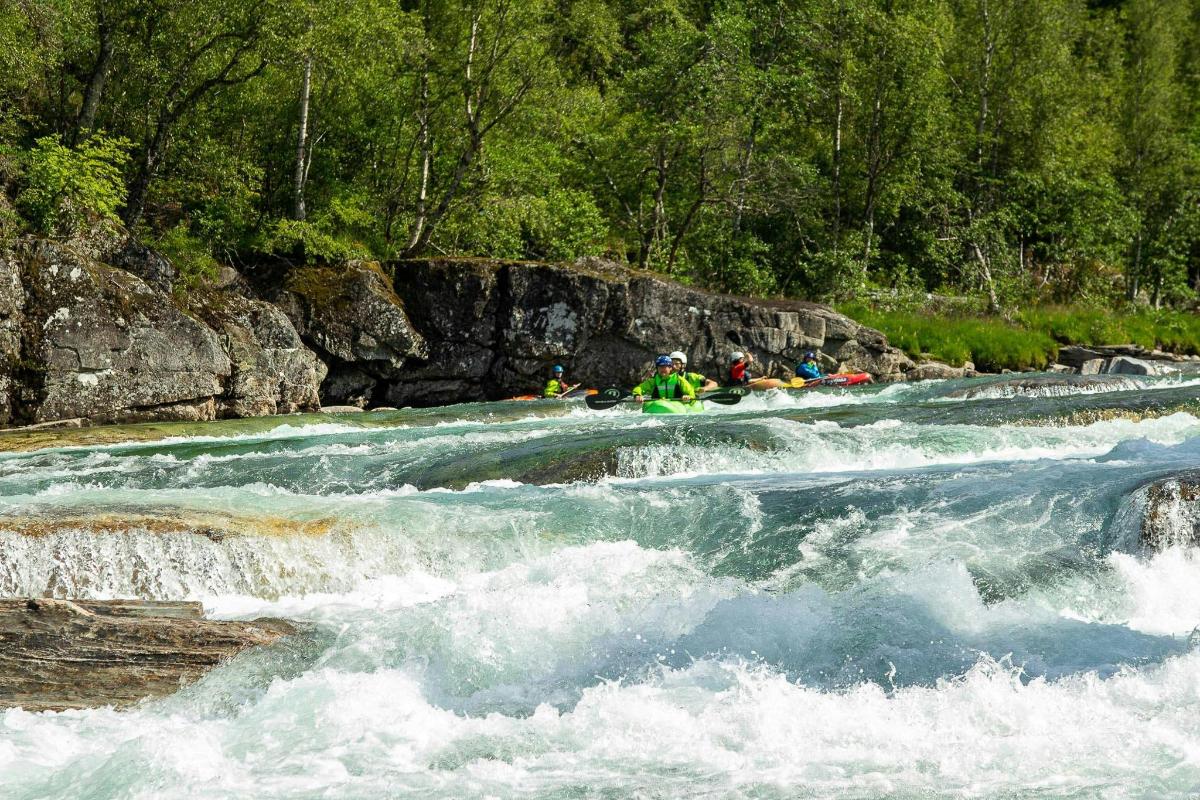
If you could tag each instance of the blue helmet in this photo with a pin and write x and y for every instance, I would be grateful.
(557, 369)
(663, 361)
(810, 356)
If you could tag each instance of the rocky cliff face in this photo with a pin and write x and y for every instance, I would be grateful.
(81, 338)
(92, 330)
(494, 328)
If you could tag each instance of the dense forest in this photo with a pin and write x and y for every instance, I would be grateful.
(1013, 150)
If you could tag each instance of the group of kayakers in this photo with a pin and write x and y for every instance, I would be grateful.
(672, 380)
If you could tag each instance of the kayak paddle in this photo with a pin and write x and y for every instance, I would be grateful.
(730, 396)
(607, 398)
(612, 396)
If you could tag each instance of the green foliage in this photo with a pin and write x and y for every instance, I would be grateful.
(1028, 152)
(992, 344)
(307, 242)
(190, 256)
(1031, 339)
(67, 186)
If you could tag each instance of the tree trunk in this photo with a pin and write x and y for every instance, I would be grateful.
(985, 271)
(701, 191)
(1135, 274)
(95, 88)
(300, 173)
(418, 227)
(135, 203)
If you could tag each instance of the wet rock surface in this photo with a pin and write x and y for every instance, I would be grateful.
(1043, 385)
(1171, 516)
(63, 654)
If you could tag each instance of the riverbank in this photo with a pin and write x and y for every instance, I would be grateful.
(103, 330)
(1032, 339)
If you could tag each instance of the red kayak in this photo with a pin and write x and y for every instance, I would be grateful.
(843, 379)
(575, 394)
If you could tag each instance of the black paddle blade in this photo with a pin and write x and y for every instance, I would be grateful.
(606, 398)
(726, 397)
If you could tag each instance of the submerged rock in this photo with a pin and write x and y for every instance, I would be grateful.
(62, 654)
(1044, 386)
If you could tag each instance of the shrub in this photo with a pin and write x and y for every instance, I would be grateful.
(65, 186)
(190, 256)
(307, 242)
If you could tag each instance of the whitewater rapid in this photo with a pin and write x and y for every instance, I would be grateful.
(890, 592)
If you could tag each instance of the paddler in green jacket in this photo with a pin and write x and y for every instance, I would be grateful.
(557, 385)
(699, 382)
(664, 384)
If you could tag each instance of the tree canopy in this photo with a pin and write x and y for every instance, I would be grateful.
(1016, 149)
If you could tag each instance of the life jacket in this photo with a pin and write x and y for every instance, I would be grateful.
(668, 389)
(808, 371)
(737, 374)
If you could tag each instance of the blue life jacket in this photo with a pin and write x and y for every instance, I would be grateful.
(808, 371)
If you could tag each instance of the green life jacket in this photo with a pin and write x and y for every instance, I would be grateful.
(669, 388)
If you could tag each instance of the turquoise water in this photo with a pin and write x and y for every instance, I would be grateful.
(858, 593)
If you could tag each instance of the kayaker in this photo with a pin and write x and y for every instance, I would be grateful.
(557, 386)
(698, 381)
(739, 373)
(665, 384)
(809, 369)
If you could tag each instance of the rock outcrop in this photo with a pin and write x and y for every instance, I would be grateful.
(82, 338)
(351, 316)
(61, 654)
(106, 346)
(1171, 513)
(271, 371)
(494, 328)
(95, 330)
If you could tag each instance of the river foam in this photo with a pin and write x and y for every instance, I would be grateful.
(836, 594)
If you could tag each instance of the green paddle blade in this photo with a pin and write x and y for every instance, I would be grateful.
(726, 397)
(606, 398)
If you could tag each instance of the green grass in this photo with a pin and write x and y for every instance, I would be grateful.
(1031, 340)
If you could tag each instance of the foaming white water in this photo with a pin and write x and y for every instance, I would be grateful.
(712, 728)
(1159, 594)
(890, 444)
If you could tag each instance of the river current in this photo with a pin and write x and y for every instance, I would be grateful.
(896, 591)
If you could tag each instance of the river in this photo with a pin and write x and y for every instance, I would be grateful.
(896, 591)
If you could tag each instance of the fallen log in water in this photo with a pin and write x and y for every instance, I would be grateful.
(60, 654)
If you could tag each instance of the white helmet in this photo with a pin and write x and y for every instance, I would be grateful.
(678, 355)
(736, 355)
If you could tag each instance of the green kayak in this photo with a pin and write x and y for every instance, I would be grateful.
(671, 407)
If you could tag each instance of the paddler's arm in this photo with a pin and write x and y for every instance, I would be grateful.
(642, 389)
(689, 393)
(568, 390)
